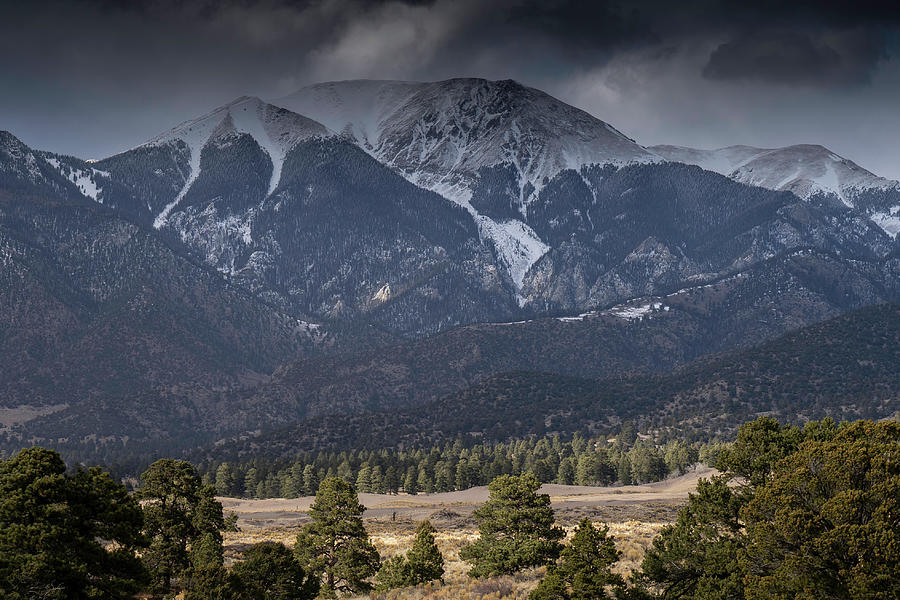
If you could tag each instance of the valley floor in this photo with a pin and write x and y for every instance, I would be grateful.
(634, 514)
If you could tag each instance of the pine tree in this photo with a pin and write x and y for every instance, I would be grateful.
(310, 480)
(426, 562)
(410, 483)
(364, 479)
(394, 573)
(251, 483)
(179, 513)
(66, 536)
(335, 546)
(583, 571)
(269, 571)
(516, 527)
(423, 481)
(377, 481)
(225, 480)
(827, 522)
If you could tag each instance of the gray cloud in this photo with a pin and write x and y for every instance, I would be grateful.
(799, 58)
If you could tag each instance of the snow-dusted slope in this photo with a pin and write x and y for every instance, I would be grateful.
(804, 169)
(86, 180)
(441, 135)
(275, 129)
(807, 170)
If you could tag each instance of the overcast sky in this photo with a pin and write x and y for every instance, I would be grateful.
(92, 78)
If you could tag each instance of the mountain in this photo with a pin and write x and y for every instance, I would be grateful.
(806, 170)
(489, 146)
(844, 367)
(579, 215)
(310, 222)
(654, 334)
(416, 207)
(108, 332)
(257, 267)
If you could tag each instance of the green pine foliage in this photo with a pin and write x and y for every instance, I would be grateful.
(799, 513)
(335, 547)
(460, 465)
(697, 557)
(827, 522)
(516, 529)
(425, 559)
(270, 571)
(583, 571)
(394, 573)
(66, 536)
(183, 522)
(422, 564)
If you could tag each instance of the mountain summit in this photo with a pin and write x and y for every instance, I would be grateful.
(456, 137)
(274, 129)
(807, 170)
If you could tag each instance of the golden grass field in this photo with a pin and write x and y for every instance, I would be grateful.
(634, 515)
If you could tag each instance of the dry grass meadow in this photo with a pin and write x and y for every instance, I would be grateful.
(634, 515)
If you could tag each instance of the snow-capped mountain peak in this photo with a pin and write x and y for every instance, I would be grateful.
(275, 129)
(804, 169)
(439, 134)
(807, 170)
(443, 136)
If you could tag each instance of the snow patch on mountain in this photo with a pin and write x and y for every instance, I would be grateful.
(517, 245)
(636, 312)
(275, 129)
(383, 294)
(84, 180)
(889, 221)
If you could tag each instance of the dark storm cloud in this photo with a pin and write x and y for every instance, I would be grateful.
(798, 58)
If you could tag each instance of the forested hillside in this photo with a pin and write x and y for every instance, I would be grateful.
(845, 368)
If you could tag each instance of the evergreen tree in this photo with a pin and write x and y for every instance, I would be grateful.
(423, 563)
(827, 523)
(646, 464)
(394, 573)
(179, 512)
(516, 527)
(377, 481)
(225, 480)
(213, 584)
(310, 480)
(583, 571)
(566, 473)
(364, 479)
(66, 536)
(586, 470)
(426, 563)
(269, 571)
(423, 481)
(410, 483)
(391, 480)
(697, 557)
(251, 483)
(759, 446)
(335, 546)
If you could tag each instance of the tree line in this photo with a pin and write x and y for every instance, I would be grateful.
(796, 513)
(628, 458)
